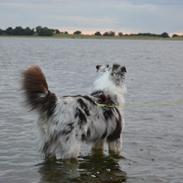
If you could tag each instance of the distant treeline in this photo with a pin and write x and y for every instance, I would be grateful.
(20, 31)
(45, 31)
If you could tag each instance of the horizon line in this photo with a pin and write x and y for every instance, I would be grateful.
(93, 31)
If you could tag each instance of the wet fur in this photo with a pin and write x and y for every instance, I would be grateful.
(67, 122)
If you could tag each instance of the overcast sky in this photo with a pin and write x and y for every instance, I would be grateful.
(155, 16)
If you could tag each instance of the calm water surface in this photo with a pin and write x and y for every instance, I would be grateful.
(153, 135)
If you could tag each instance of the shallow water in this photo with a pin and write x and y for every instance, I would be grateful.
(153, 135)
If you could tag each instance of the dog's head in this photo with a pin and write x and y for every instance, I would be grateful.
(115, 72)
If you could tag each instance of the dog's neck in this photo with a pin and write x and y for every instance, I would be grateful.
(107, 86)
(108, 98)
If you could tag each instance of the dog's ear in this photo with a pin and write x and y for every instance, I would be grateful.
(123, 69)
(98, 67)
(102, 68)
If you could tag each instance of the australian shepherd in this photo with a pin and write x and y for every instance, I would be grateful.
(68, 121)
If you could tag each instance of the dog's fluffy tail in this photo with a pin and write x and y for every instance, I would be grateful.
(36, 91)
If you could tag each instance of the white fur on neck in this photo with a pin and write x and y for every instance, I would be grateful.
(104, 83)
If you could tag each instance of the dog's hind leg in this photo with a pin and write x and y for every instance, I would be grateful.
(71, 153)
(48, 151)
(69, 149)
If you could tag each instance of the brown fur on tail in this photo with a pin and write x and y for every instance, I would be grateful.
(36, 91)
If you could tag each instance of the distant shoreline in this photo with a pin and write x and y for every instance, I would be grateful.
(40, 31)
(69, 36)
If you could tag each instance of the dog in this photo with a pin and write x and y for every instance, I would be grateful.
(66, 122)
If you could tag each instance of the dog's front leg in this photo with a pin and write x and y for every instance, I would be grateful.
(115, 147)
(98, 146)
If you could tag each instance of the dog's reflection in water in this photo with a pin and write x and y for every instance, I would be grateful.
(95, 168)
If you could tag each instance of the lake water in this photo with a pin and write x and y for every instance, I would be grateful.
(153, 134)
